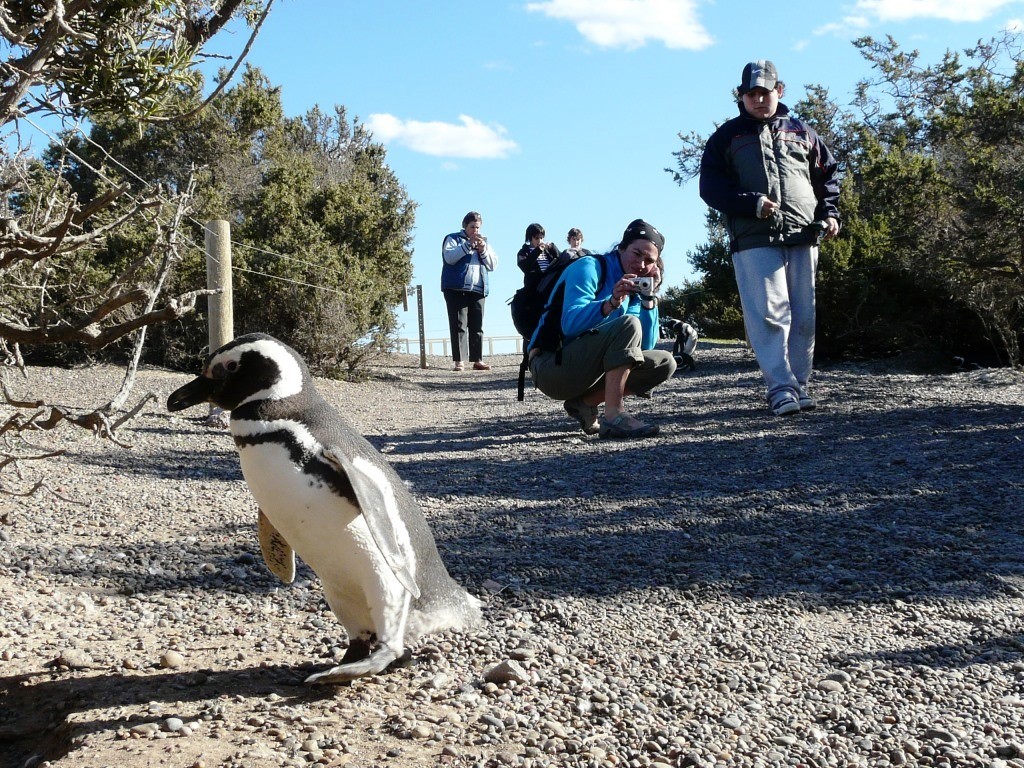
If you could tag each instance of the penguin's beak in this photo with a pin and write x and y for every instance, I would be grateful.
(199, 390)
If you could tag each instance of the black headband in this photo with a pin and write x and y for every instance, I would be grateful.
(639, 229)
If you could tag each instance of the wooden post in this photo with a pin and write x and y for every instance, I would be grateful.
(218, 276)
(220, 306)
(423, 340)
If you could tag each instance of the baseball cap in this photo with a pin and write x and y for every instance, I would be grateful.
(759, 74)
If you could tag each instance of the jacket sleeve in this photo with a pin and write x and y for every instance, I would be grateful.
(455, 249)
(824, 179)
(718, 187)
(581, 303)
(489, 258)
(526, 259)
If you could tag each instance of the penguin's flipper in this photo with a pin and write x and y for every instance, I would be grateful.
(277, 553)
(373, 664)
(380, 510)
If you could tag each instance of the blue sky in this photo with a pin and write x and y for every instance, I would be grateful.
(566, 112)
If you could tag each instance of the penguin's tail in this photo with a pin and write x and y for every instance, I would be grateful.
(373, 664)
(455, 610)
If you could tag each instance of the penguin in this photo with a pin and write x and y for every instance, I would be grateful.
(325, 493)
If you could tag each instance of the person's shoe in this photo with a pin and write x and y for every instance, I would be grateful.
(479, 366)
(585, 414)
(807, 403)
(625, 427)
(786, 406)
(459, 366)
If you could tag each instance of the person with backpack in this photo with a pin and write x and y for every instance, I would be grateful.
(542, 265)
(595, 341)
(468, 257)
(535, 256)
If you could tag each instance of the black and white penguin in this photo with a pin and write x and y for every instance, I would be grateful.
(327, 494)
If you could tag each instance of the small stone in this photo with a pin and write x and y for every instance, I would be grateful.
(421, 732)
(732, 722)
(145, 730)
(74, 658)
(940, 734)
(505, 672)
(438, 682)
(830, 686)
(171, 660)
(173, 724)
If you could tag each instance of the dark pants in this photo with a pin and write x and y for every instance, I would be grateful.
(466, 319)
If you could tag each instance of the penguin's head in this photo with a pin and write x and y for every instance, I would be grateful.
(249, 368)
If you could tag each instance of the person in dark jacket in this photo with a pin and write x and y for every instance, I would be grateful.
(535, 256)
(777, 184)
(467, 259)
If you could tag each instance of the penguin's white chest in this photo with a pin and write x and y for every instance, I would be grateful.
(326, 530)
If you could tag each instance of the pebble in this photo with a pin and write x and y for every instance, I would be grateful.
(74, 658)
(171, 660)
(505, 672)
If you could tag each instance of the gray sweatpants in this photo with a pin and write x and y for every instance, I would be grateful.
(585, 359)
(776, 286)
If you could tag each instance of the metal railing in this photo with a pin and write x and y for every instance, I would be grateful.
(508, 345)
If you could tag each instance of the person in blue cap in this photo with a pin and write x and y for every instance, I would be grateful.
(777, 184)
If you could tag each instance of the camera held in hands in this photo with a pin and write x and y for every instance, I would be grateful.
(645, 286)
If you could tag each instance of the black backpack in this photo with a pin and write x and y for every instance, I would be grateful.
(529, 302)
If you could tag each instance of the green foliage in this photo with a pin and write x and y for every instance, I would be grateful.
(321, 225)
(712, 302)
(111, 57)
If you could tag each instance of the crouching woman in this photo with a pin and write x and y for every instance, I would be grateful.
(595, 342)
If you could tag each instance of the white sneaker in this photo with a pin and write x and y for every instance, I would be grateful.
(786, 407)
(807, 403)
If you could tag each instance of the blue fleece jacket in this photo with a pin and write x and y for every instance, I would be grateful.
(584, 295)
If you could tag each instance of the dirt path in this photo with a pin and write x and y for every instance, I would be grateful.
(843, 587)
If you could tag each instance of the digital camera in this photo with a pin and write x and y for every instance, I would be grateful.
(645, 286)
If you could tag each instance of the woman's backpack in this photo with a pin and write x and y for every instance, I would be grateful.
(529, 302)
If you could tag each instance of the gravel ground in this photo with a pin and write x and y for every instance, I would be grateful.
(844, 587)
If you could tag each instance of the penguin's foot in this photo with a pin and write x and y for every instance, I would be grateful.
(373, 664)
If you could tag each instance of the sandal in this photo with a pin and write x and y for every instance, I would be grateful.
(620, 428)
(585, 414)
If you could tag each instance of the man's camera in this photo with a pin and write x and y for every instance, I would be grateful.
(645, 286)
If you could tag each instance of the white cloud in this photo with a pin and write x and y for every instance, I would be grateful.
(631, 23)
(948, 10)
(470, 139)
(843, 27)
(1014, 25)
